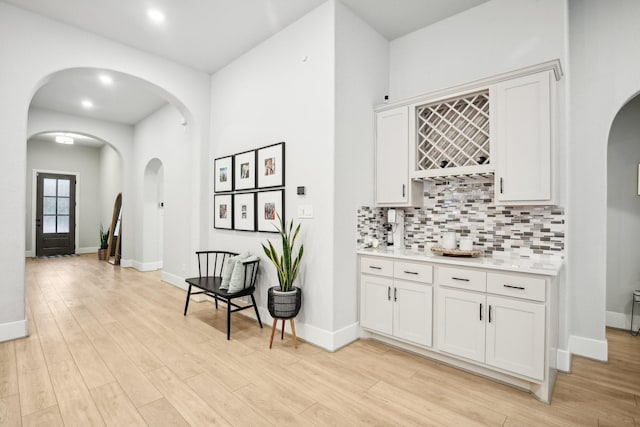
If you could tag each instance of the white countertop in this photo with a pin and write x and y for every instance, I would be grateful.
(544, 265)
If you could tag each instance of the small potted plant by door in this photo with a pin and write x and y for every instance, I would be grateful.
(284, 301)
(104, 244)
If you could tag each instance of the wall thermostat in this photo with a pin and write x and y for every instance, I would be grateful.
(300, 191)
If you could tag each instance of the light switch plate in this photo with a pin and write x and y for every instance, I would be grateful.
(305, 211)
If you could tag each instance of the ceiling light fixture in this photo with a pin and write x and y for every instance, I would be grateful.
(105, 79)
(155, 15)
(64, 140)
(87, 103)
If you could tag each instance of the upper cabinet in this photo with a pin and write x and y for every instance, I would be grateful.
(393, 185)
(500, 126)
(522, 138)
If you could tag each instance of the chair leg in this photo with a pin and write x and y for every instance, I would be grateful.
(186, 304)
(282, 332)
(216, 300)
(293, 332)
(273, 331)
(255, 307)
(228, 320)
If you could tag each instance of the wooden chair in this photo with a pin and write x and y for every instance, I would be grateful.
(209, 279)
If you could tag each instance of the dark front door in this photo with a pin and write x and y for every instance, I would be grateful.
(55, 214)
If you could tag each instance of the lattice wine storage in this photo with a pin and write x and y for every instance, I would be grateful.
(453, 133)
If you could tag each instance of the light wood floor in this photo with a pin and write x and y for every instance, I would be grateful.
(109, 346)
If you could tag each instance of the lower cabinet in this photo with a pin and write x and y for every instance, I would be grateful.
(505, 333)
(399, 308)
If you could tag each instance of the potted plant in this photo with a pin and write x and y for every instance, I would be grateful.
(104, 244)
(284, 300)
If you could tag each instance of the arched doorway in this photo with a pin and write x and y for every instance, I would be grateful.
(153, 216)
(623, 214)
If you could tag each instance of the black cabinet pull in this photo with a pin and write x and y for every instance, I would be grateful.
(403, 189)
(501, 185)
(375, 268)
(489, 313)
(480, 311)
(514, 287)
(395, 294)
(411, 272)
(388, 293)
(460, 279)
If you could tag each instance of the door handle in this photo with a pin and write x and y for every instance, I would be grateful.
(395, 294)
(489, 313)
(480, 311)
(388, 293)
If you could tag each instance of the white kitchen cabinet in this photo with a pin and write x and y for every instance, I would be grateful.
(376, 307)
(397, 307)
(461, 325)
(521, 132)
(393, 185)
(515, 336)
(501, 332)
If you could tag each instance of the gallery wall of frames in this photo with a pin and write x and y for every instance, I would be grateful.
(249, 189)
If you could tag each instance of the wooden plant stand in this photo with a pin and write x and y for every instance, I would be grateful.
(293, 331)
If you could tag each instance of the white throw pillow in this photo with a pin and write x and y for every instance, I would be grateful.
(237, 282)
(227, 268)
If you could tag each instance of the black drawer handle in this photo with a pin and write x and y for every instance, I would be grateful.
(460, 279)
(480, 311)
(375, 268)
(411, 272)
(514, 287)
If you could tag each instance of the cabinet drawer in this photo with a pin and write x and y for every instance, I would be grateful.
(378, 266)
(531, 288)
(417, 272)
(462, 278)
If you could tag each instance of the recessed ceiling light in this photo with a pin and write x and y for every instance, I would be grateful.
(155, 15)
(105, 79)
(64, 140)
(87, 103)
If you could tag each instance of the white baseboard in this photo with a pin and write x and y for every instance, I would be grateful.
(588, 347)
(29, 254)
(126, 263)
(174, 280)
(87, 250)
(618, 320)
(563, 361)
(147, 266)
(14, 330)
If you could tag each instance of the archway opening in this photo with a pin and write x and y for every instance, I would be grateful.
(623, 215)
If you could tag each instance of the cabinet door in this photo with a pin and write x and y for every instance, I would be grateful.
(412, 314)
(515, 336)
(376, 303)
(522, 131)
(461, 323)
(392, 156)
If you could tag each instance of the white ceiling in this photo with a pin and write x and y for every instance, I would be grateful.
(203, 34)
(127, 100)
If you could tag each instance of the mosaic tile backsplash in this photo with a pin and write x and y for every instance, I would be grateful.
(467, 208)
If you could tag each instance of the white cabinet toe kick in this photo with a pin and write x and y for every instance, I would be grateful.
(499, 324)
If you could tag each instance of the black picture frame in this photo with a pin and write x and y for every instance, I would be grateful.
(244, 165)
(270, 166)
(223, 174)
(269, 204)
(223, 211)
(244, 211)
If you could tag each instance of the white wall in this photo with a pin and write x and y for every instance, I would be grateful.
(623, 214)
(161, 137)
(39, 47)
(84, 162)
(110, 182)
(273, 94)
(492, 38)
(604, 76)
(361, 81)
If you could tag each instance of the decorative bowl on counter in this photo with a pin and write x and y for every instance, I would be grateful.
(455, 252)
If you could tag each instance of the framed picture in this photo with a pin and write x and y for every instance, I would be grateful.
(270, 166)
(223, 211)
(244, 165)
(244, 212)
(223, 174)
(269, 205)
